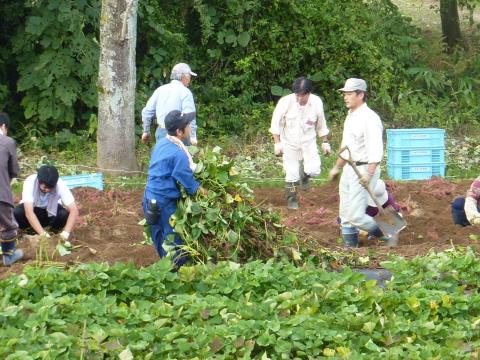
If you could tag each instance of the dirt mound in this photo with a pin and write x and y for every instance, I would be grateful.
(108, 228)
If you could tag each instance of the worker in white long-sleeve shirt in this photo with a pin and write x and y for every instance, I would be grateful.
(362, 133)
(297, 120)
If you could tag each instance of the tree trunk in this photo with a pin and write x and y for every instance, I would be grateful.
(450, 23)
(116, 87)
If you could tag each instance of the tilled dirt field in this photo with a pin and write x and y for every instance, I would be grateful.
(108, 229)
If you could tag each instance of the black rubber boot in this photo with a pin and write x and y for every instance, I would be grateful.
(378, 234)
(350, 237)
(304, 179)
(291, 192)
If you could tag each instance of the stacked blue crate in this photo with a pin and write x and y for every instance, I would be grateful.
(84, 180)
(415, 154)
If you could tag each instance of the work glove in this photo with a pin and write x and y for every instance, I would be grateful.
(45, 234)
(278, 148)
(145, 137)
(365, 179)
(193, 141)
(476, 221)
(333, 174)
(65, 235)
(326, 148)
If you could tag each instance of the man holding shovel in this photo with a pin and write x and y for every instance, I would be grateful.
(362, 134)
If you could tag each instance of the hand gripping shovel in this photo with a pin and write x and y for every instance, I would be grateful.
(388, 220)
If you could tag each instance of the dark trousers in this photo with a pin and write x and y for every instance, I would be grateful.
(458, 212)
(163, 235)
(55, 222)
(8, 229)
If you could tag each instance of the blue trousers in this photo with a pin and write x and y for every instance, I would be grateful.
(163, 233)
(458, 212)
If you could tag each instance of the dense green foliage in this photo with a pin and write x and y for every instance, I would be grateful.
(246, 53)
(258, 310)
(227, 223)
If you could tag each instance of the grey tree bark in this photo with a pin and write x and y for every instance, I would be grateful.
(116, 87)
(450, 23)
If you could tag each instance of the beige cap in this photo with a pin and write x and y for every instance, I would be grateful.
(354, 84)
(182, 68)
(380, 193)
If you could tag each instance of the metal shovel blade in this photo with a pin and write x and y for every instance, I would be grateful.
(391, 223)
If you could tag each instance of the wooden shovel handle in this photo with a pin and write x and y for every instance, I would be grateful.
(354, 167)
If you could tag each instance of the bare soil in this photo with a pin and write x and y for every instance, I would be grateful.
(108, 230)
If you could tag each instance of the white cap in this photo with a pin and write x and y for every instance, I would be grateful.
(182, 68)
(353, 84)
(380, 193)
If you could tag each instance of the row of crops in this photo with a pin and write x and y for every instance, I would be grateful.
(264, 310)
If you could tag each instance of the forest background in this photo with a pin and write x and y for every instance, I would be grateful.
(246, 54)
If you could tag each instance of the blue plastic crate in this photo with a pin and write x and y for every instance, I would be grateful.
(415, 172)
(414, 156)
(84, 180)
(415, 138)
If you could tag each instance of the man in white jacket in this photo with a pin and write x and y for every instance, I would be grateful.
(297, 120)
(362, 133)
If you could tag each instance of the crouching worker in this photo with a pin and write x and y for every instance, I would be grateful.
(385, 198)
(297, 120)
(46, 201)
(466, 210)
(8, 171)
(171, 165)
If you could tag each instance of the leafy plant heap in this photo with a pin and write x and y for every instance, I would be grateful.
(227, 224)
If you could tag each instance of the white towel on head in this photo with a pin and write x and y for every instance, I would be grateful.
(182, 146)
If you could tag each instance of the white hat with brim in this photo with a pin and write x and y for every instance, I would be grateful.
(354, 84)
(183, 68)
(380, 193)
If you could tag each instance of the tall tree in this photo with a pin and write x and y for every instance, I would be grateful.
(450, 23)
(116, 87)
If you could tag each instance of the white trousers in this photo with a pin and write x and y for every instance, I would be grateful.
(354, 198)
(292, 157)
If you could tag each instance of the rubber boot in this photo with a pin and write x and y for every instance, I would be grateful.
(291, 192)
(350, 237)
(8, 260)
(304, 179)
(377, 233)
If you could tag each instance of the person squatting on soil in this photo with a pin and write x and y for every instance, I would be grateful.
(8, 170)
(172, 96)
(46, 201)
(297, 120)
(362, 133)
(466, 210)
(170, 165)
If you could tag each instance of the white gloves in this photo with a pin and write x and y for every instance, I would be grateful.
(326, 148)
(333, 174)
(45, 234)
(278, 148)
(65, 235)
(365, 179)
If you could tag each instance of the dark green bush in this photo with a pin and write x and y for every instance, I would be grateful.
(241, 49)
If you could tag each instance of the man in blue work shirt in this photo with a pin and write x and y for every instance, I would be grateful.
(171, 165)
(172, 96)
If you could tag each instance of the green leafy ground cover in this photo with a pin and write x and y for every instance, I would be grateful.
(267, 310)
